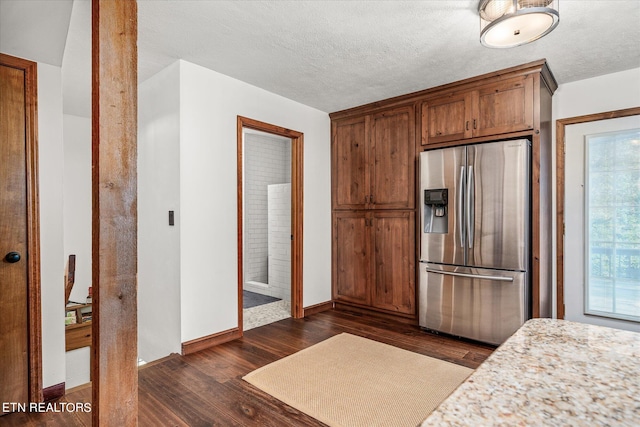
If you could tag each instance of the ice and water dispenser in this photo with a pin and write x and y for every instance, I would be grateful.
(435, 211)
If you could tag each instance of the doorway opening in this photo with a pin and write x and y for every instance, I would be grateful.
(269, 223)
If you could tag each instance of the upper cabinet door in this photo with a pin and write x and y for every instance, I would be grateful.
(504, 107)
(393, 154)
(447, 118)
(350, 179)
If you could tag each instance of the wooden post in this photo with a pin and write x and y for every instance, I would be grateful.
(114, 229)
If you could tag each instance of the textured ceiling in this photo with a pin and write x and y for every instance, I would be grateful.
(333, 55)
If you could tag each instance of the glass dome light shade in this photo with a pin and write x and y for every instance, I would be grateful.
(517, 25)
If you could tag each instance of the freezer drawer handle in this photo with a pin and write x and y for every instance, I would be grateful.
(471, 276)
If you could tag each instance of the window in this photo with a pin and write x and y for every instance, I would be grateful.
(612, 209)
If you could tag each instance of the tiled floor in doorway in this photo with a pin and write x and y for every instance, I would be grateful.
(265, 314)
(252, 299)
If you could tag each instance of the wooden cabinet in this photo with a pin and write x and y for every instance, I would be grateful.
(392, 159)
(447, 118)
(351, 257)
(373, 160)
(500, 107)
(374, 259)
(78, 333)
(78, 336)
(350, 180)
(504, 107)
(393, 284)
(373, 197)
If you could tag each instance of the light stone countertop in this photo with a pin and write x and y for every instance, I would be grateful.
(551, 373)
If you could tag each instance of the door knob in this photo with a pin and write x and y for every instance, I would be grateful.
(12, 257)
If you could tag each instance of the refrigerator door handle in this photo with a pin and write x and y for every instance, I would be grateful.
(461, 207)
(470, 276)
(470, 206)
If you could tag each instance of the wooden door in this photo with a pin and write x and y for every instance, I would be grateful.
(14, 335)
(350, 180)
(447, 118)
(352, 257)
(394, 243)
(504, 107)
(393, 159)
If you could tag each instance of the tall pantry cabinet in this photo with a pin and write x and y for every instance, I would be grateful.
(375, 148)
(373, 178)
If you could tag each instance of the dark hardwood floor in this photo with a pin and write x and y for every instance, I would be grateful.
(206, 388)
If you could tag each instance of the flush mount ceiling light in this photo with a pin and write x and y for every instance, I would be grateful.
(509, 23)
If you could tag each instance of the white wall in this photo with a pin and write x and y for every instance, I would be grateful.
(158, 193)
(604, 93)
(610, 92)
(210, 103)
(52, 259)
(78, 366)
(77, 201)
(207, 176)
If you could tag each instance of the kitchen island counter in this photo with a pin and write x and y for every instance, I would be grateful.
(551, 372)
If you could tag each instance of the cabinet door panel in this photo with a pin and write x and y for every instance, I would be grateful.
(446, 118)
(393, 148)
(351, 257)
(350, 180)
(504, 107)
(394, 242)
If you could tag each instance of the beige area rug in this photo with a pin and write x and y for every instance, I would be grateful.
(352, 381)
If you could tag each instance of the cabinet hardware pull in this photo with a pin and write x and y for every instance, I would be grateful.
(474, 124)
(467, 125)
(371, 198)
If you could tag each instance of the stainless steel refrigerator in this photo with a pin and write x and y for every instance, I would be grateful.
(474, 248)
